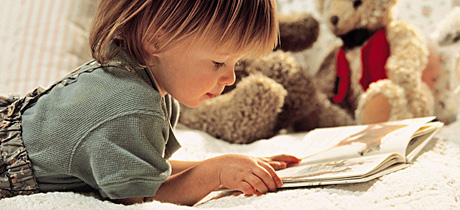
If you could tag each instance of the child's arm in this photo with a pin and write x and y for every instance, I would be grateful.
(239, 172)
(192, 181)
(276, 161)
(178, 166)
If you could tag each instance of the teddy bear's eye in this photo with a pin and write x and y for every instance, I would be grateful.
(357, 3)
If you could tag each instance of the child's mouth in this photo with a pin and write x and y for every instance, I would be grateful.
(210, 95)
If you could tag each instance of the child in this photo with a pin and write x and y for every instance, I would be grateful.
(108, 126)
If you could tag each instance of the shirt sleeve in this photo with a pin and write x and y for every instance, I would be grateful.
(174, 110)
(123, 157)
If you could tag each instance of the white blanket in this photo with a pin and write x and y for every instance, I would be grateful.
(432, 182)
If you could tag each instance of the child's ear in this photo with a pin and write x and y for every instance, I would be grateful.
(152, 44)
(150, 47)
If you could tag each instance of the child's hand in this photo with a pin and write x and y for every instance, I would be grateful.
(281, 161)
(192, 181)
(247, 174)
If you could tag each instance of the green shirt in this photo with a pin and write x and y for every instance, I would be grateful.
(107, 130)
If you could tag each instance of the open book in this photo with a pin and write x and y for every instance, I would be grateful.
(352, 154)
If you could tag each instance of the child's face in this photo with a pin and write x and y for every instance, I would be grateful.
(194, 73)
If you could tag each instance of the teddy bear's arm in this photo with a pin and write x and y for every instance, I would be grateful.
(408, 55)
(405, 92)
(298, 31)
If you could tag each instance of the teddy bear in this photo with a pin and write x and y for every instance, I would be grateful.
(271, 94)
(376, 73)
(447, 36)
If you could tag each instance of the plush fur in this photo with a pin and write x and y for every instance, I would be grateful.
(403, 94)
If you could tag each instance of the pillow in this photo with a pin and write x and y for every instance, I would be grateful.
(41, 41)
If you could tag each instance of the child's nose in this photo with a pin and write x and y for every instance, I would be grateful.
(228, 77)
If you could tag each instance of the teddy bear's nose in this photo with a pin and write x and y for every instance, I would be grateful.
(334, 20)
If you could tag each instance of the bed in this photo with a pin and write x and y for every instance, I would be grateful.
(37, 49)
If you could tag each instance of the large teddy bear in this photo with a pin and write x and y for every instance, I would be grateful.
(377, 72)
(270, 94)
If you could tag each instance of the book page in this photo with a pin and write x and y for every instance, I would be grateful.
(345, 180)
(347, 142)
(422, 137)
(356, 168)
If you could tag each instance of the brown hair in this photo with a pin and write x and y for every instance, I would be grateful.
(244, 25)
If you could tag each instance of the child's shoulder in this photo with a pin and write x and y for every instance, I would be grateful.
(106, 88)
(116, 82)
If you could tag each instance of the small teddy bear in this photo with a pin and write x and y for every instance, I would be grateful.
(377, 72)
(270, 94)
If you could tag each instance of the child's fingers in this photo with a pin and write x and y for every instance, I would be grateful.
(246, 188)
(281, 161)
(269, 176)
(289, 159)
(277, 165)
(259, 184)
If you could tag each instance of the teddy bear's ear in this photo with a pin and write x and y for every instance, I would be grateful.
(390, 3)
(320, 5)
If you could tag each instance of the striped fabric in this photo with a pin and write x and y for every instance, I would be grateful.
(42, 40)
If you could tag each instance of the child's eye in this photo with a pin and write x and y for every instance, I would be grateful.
(217, 65)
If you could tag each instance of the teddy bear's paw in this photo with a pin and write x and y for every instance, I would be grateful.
(383, 101)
